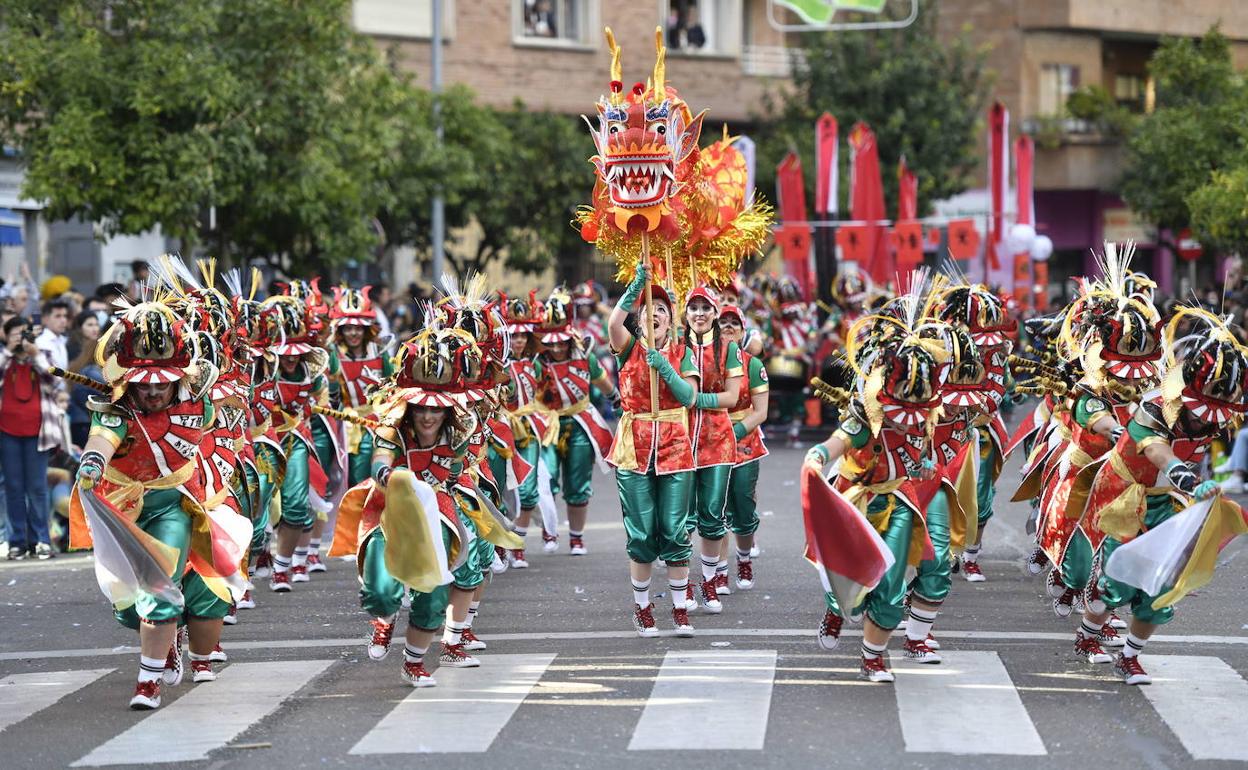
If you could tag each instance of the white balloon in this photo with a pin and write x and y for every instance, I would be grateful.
(1041, 248)
(1020, 238)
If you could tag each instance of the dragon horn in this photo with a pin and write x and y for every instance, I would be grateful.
(660, 65)
(617, 69)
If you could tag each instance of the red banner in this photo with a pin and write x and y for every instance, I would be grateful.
(866, 193)
(855, 243)
(963, 239)
(1040, 289)
(908, 244)
(826, 191)
(998, 178)
(1022, 279)
(907, 192)
(794, 233)
(1024, 158)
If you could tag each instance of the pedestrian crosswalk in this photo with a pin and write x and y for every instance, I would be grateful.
(968, 705)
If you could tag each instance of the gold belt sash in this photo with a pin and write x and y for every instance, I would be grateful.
(548, 414)
(624, 453)
(741, 415)
(1123, 517)
(353, 431)
(130, 490)
(573, 410)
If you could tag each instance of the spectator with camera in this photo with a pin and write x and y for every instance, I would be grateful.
(30, 428)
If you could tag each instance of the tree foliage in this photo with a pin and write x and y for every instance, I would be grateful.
(1184, 158)
(924, 97)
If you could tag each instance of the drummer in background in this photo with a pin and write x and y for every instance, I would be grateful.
(789, 366)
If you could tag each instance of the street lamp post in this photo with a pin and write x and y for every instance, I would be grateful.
(439, 203)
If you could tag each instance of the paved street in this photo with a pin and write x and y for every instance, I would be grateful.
(566, 681)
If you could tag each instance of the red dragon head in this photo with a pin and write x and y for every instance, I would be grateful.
(642, 138)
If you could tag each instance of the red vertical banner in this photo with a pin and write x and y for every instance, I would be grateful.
(1024, 158)
(998, 179)
(1022, 279)
(908, 245)
(866, 193)
(907, 192)
(794, 235)
(1040, 290)
(826, 188)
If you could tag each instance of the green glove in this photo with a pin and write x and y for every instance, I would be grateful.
(681, 389)
(738, 430)
(707, 401)
(633, 290)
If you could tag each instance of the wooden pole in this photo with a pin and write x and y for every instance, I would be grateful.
(654, 376)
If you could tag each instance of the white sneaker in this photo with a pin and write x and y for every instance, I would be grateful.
(755, 551)
(932, 643)
(876, 670)
(918, 651)
(710, 598)
(231, 616)
(1089, 648)
(314, 562)
(379, 641)
(745, 575)
(721, 584)
(972, 572)
(299, 573)
(218, 655)
(498, 566)
(643, 621)
(248, 602)
(470, 641)
(576, 546)
(550, 546)
(830, 630)
(517, 560)
(1117, 622)
(454, 656)
(680, 620)
(1131, 671)
(172, 674)
(416, 675)
(146, 696)
(1234, 485)
(201, 671)
(691, 603)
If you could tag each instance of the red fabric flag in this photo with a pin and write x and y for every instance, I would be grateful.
(1024, 158)
(840, 541)
(855, 243)
(907, 192)
(1040, 289)
(795, 230)
(866, 192)
(998, 178)
(963, 239)
(908, 243)
(826, 188)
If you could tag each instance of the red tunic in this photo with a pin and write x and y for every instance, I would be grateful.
(360, 375)
(711, 429)
(668, 447)
(751, 447)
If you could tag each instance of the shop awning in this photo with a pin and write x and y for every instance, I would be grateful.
(10, 227)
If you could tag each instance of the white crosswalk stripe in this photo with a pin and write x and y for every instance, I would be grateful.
(432, 720)
(24, 695)
(965, 705)
(1202, 700)
(738, 684)
(209, 716)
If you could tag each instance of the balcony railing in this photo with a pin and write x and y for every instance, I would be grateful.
(768, 60)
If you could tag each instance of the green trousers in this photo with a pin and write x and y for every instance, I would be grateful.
(709, 504)
(1115, 594)
(1076, 566)
(498, 467)
(296, 513)
(932, 579)
(743, 499)
(360, 464)
(884, 603)
(324, 444)
(986, 481)
(381, 594)
(533, 453)
(161, 517)
(574, 462)
(266, 486)
(656, 515)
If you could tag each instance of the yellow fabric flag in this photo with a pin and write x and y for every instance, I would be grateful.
(1225, 521)
(415, 550)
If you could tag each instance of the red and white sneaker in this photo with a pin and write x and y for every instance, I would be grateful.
(299, 573)
(1131, 671)
(710, 597)
(231, 615)
(576, 546)
(454, 656)
(248, 602)
(416, 675)
(516, 559)
(470, 641)
(918, 651)
(1089, 648)
(1053, 584)
(1117, 622)
(201, 671)
(691, 602)
(680, 619)
(146, 696)
(745, 575)
(1092, 598)
(218, 655)
(1109, 637)
(550, 543)
(1036, 562)
(314, 562)
(972, 573)
(721, 584)
(264, 564)
(643, 621)
(379, 642)
(172, 674)
(830, 630)
(280, 582)
(931, 642)
(1065, 604)
(876, 670)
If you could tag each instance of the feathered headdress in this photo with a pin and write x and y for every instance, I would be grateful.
(1204, 368)
(352, 307)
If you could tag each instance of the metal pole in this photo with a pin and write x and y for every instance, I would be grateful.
(439, 204)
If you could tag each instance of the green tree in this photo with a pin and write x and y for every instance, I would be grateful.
(138, 113)
(1188, 153)
(924, 98)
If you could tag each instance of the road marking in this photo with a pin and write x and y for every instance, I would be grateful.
(1202, 699)
(765, 633)
(209, 716)
(464, 713)
(965, 705)
(734, 686)
(24, 695)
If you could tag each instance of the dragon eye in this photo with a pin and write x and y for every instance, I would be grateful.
(615, 127)
(658, 126)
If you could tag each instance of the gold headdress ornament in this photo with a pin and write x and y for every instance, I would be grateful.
(1204, 371)
(617, 70)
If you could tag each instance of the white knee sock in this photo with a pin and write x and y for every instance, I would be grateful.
(641, 593)
(677, 589)
(920, 623)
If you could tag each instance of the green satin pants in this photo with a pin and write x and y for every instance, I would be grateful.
(360, 464)
(932, 579)
(656, 515)
(986, 481)
(324, 444)
(743, 499)
(884, 603)
(1076, 566)
(296, 513)
(161, 517)
(710, 501)
(574, 462)
(1116, 594)
(381, 594)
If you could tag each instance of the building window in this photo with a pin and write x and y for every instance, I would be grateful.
(1057, 82)
(1130, 91)
(401, 18)
(553, 22)
(704, 26)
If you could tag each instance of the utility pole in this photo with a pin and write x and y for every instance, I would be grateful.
(439, 203)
